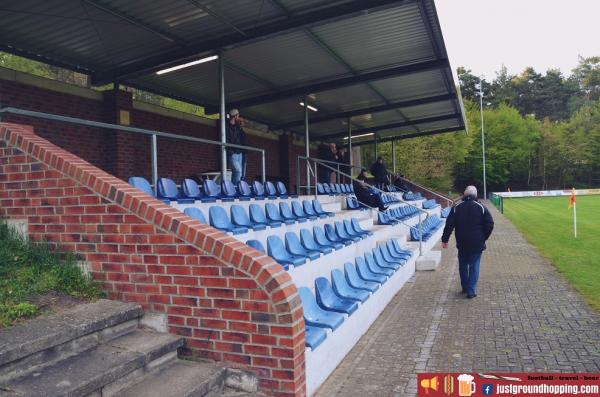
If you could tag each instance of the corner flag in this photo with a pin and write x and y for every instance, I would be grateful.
(573, 204)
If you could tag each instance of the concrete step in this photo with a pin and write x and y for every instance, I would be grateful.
(43, 341)
(180, 379)
(103, 370)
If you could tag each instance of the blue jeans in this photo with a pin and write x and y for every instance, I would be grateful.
(468, 267)
(238, 167)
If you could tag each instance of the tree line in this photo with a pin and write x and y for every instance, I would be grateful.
(542, 131)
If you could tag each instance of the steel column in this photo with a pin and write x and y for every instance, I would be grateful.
(350, 146)
(394, 156)
(223, 115)
(154, 160)
(307, 146)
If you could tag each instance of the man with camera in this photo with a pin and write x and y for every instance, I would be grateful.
(236, 157)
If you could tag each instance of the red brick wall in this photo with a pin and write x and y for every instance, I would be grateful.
(124, 154)
(230, 302)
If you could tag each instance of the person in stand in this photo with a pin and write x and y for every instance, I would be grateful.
(380, 173)
(327, 152)
(344, 157)
(236, 157)
(366, 195)
(473, 224)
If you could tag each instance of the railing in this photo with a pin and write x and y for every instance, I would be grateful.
(448, 200)
(153, 134)
(498, 202)
(326, 164)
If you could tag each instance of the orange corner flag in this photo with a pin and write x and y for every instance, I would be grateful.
(572, 202)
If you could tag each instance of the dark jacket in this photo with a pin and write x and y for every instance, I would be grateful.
(473, 223)
(379, 172)
(362, 193)
(236, 135)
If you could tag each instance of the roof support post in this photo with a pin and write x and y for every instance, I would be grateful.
(375, 142)
(223, 115)
(307, 146)
(350, 146)
(394, 155)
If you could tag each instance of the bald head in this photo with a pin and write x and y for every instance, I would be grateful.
(471, 191)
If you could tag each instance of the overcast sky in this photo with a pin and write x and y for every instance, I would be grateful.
(482, 35)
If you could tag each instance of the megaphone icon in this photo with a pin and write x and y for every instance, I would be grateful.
(431, 383)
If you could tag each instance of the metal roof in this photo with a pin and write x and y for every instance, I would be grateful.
(381, 62)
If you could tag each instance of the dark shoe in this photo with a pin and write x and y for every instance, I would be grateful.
(464, 291)
(471, 296)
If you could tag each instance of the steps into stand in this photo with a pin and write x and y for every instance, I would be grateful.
(99, 349)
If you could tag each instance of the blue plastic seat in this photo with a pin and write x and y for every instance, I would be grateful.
(333, 236)
(190, 189)
(320, 188)
(257, 245)
(229, 191)
(287, 214)
(195, 213)
(327, 189)
(277, 251)
(384, 219)
(322, 239)
(257, 217)
(340, 230)
(374, 267)
(142, 184)
(240, 218)
(273, 215)
(314, 315)
(314, 336)
(355, 281)
(394, 254)
(343, 188)
(270, 190)
(211, 190)
(351, 232)
(244, 191)
(310, 244)
(366, 274)
(258, 190)
(357, 228)
(385, 255)
(399, 249)
(328, 300)
(332, 189)
(352, 203)
(167, 190)
(319, 210)
(298, 211)
(283, 192)
(344, 290)
(294, 247)
(218, 219)
(310, 210)
(383, 263)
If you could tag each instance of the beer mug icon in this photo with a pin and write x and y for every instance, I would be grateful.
(466, 385)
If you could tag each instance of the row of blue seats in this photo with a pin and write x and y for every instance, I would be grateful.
(257, 217)
(353, 204)
(390, 199)
(334, 188)
(297, 250)
(168, 191)
(345, 292)
(429, 226)
(393, 216)
(429, 204)
(410, 196)
(445, 212)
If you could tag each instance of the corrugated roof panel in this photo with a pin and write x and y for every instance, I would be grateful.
(288, 60)
(303, 6)
(416, 85)
(389, 37)
(358, 96)
(429, 110)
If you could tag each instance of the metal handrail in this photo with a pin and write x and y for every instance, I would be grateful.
(420, 210)
(152, 133)
(446, 198)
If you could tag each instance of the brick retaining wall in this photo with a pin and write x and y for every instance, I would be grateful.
(230, 302)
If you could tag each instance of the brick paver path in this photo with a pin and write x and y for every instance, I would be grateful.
(525, 318)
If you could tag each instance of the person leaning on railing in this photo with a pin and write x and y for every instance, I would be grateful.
(366, 195)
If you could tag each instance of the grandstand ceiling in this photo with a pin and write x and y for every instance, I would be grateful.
(381, 64)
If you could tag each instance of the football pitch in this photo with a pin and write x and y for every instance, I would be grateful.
(547, 223)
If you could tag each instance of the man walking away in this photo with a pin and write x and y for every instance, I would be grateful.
(236, 156)
(474, 224)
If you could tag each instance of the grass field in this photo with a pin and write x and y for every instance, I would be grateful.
(547, 223)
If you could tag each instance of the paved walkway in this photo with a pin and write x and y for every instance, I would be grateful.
(525, 318)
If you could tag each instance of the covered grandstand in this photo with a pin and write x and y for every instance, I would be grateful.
(272, 278)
